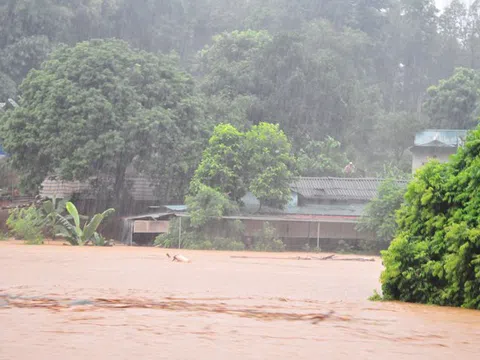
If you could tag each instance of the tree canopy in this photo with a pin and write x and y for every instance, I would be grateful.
(93, 109)
(259, 161)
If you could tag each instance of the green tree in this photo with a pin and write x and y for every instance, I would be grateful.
(77, 235)
(208, 204)
(379, 216)
(26, 54)
(270, 164)
(322, 158)
(229, 77)
(93, 109)
(259, 161)
(25, 18)
(435, 256)
(223, 164)
(453, 102)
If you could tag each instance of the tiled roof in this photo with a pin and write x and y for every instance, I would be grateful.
(140, 189)
(327, 188)
(440, 138)
(321, 188)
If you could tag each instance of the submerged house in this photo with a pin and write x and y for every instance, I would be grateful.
(321, 211)
(435, 144)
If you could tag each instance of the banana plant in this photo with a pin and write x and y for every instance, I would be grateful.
(74, 233)
(50, 210)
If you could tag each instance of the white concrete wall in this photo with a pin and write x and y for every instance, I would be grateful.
(422, 156)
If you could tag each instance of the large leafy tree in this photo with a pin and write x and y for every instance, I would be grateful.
(92, 109)
(259, 161)
(223, 163)
(270, 165)
(435, 256)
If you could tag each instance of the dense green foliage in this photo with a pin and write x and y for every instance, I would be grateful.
(379, 216)
(50, 210)
(259, 161)
(91, 110)
(206, 205)
(26, 224)
(435, 256)
(266, 240)
(202, 238)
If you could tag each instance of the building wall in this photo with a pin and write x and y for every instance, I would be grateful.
(422, 155)
(307, 230)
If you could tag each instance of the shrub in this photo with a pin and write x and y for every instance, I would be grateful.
(266, 240)
(376, 296)
(26, 224)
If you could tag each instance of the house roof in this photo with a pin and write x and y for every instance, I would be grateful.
(151, 217)
(350, 210)
(320, 188)
(328, 188)
(140, 189)
(440, 138)
(288, 218)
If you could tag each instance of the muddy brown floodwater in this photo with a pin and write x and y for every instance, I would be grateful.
(59, 302)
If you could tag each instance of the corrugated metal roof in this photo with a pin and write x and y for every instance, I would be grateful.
(440, 138)
(294, 218)
(322, 188)
(179, 208)
(355, 210)
(153, 216)
(327, 188)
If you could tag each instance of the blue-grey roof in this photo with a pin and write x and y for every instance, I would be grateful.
(2, 153)
(440, 138)
(176, 207)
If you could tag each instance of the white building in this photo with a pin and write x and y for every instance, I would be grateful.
(435, 144)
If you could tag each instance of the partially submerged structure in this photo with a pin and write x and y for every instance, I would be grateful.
(321, 210)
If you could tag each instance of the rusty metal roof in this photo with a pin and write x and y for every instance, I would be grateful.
(328, 188)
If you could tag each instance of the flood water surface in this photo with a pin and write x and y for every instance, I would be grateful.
(59, 302)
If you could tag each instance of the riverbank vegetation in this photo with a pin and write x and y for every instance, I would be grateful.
(34, 224)
(435, 256)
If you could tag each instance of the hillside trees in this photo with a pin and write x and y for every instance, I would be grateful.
(357, 71)
(454, 101)
(93, 109)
